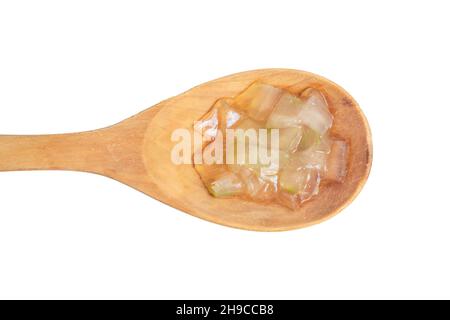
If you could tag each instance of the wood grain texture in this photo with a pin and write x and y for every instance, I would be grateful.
(137, 153)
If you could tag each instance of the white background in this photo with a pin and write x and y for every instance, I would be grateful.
(79, 65)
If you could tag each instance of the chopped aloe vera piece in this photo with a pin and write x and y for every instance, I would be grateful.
(315, 113)
(245, 153)
(324, 145)
(315, 156)
(284, 158)
(258, 100)
(314, 97)
(226, 185)
(246, 133)
(290, 182)
(265, 171)
(290, 138)
(255, 163)
(209, 170)
(303, 182)
(336, 165)
(219, 181)
(270, 176)
(256, 187)
(294, 200)
(246, 148)
(208, 124)
(267, 192)
(228, 116)
(221, 116)
(286, 112)
(318, 119)
(309, 138)
(314, 159)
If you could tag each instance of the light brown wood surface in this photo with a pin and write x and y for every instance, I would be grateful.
(137, 153)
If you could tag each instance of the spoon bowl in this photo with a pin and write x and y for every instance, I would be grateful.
(137, 152)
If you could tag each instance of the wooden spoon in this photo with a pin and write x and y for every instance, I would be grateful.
(137, 153)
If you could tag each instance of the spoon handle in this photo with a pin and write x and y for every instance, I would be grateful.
(77, 151)
(111, 152)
